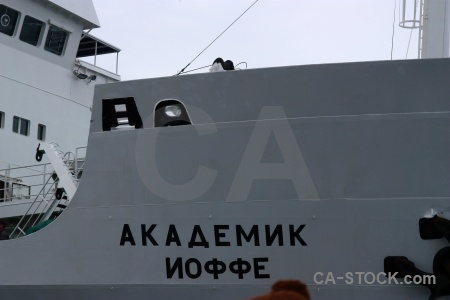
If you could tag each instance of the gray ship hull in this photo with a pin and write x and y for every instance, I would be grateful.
(315, 173)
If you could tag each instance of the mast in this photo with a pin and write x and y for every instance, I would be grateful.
(432, 18)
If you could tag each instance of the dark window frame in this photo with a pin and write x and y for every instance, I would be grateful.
(56, 40)
(2, 119)
(21, 126)
(9, 18)
(4, 190)
(41, 132)
(32, 30)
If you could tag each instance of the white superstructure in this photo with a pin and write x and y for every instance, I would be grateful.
(46, 89)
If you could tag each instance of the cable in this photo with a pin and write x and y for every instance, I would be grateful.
(182, 70)
(241, 63)
(185, 72)
(409, 42)
(393, 29)
(410, 34)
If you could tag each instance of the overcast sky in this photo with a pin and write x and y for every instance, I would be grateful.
(160, 37)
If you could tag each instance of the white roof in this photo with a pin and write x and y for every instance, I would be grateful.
(82, 8)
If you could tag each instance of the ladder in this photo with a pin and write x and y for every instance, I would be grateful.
(56, 192)
(63, 167)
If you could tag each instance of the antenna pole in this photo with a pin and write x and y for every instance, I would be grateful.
(432, 18)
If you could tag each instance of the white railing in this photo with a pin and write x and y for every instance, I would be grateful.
(41, 186)
(19, 183)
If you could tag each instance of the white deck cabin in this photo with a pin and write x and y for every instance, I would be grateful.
(46, 87)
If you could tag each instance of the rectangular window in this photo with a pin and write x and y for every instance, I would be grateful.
(3, 191)
(8, 19)
(16, 124)
(21, 126)
(24, 126)
(12, 189)
(20, 191)
(41, 132)
(56, 40)
(2, 119)
(31, 30)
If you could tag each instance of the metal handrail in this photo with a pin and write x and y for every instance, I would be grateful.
(18, 226)
(8, 179)
(44, 202)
